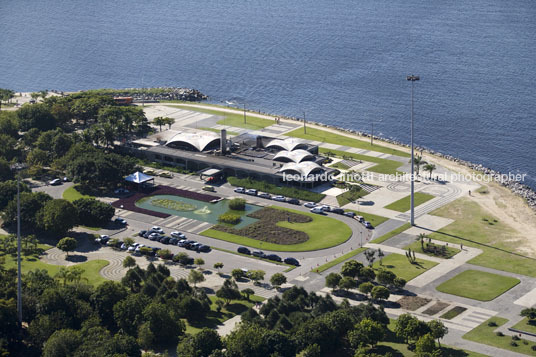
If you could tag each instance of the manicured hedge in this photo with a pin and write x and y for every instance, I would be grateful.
(276, 190)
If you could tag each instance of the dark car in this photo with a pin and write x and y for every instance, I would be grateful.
(173, 241)
(274, 257)
(293, 201)
(258, 253)
(203, 248)
(155, 249)
(337, 210)
(243, 250)
(142, 233)
(165, 240)
(120, 221)
(350, 214)
(292, 261)
(186, 243)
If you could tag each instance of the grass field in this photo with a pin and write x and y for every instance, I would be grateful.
(403, 204)
(339, 165)
(232, 119)
(391, 234)
(485, 334)
(71, 194)
(478, 285)
(400, 265)
(525, 325)
(497, 240)
(348, 197)
(339, 260)
(32, 262)
(383, 166)
(334, 138)
(215, 318)
(324, 232)
(374, 219)
(416, 246)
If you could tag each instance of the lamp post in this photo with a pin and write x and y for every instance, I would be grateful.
(244, 112)
(17, 168)
(304, 122)
(412, 78)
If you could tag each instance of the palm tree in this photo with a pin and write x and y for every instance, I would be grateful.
(43, 93)
(63, 274)
(169, 122)
(159, 121)
(430, 168)
(418, 161)
(421, 238)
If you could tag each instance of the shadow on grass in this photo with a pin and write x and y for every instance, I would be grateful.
(76, 258)
(477, 243)
(383, 350)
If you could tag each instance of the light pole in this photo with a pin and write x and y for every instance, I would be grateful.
(412, 78)
(17, 168)
(244, 112)
(304, 126)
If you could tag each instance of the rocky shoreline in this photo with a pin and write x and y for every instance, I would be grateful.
(156, 94)
(515, 187)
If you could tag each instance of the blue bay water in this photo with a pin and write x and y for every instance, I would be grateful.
(342, 62)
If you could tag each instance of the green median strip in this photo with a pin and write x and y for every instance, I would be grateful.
(339, 260)
(392, 233)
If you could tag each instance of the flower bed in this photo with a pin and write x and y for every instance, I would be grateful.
(267, 230)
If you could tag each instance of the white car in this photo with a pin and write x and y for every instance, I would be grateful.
(157, 230)
(368, 225)
(240, 190)
(177, 235)
(316, 210)
(133, 247)
(124, 246)
(55, 182)
(251, 191)
(325, 208)
(279, 198)
(137, 250)
(309, 204)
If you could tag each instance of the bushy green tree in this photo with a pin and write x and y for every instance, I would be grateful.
(333, 280)
(351, 268)
(199, 345)
(366, 333)
(278, 279)
(8, 191)
(195, 277)
(35, 116)
(67, 244)
(30, 204)
(57, 216)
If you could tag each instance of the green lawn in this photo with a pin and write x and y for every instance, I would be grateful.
(391, 234)
(403, 204)
(215, 318)
(478, 285)
(340, 165)
(334, 138)
(374, 219)
(474, 227)
(233, 133)
(71, 194)
(324, 232)
(416, 246)
(525, 325)
(383, 166)
(400, 265)
(339, 260)
(486, 335)
(349, 197)
(32, 262)
(232, 119)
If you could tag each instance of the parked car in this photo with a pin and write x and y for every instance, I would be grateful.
(209, 188)
(124, 246)
(243, 250)
(121, 191)
(368, 225)
(325, 208)
(137, 249)
(258, 253)
(293, 201)
(193, 246)
(177, 235)
(65, 179)
(142, 233)
(360, 219)
(337, 210)
(240, 190)
(165, 174)
(203, 248)
(251, 192)
(264, 195)
(157, 230)
(292, 261)
(279, 198)
(317, 210)
(310, 204)
(273, 257)
(102, 239)
(182, 242)
(173, 241)
(55, 182)
(120, 220)
(349, 214)
(164, 240)
(154, 236)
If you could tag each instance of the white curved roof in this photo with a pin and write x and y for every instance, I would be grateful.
(296, 155)
(303, 168)
(288, 144)
(198, 140)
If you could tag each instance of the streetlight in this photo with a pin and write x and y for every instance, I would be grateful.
(412, 78)
(17, 167)
(304, 126)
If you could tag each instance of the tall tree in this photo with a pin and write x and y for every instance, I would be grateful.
(430, 168)
(67, 245)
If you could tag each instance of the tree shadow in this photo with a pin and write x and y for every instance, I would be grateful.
(383, 350)
(76, 258)
(236, 308)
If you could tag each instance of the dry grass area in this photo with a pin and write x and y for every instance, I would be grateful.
(412, 303)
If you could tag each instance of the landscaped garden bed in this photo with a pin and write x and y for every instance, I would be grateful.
(452, 313)
(267, 230)
(412, 303)
(436, 308)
